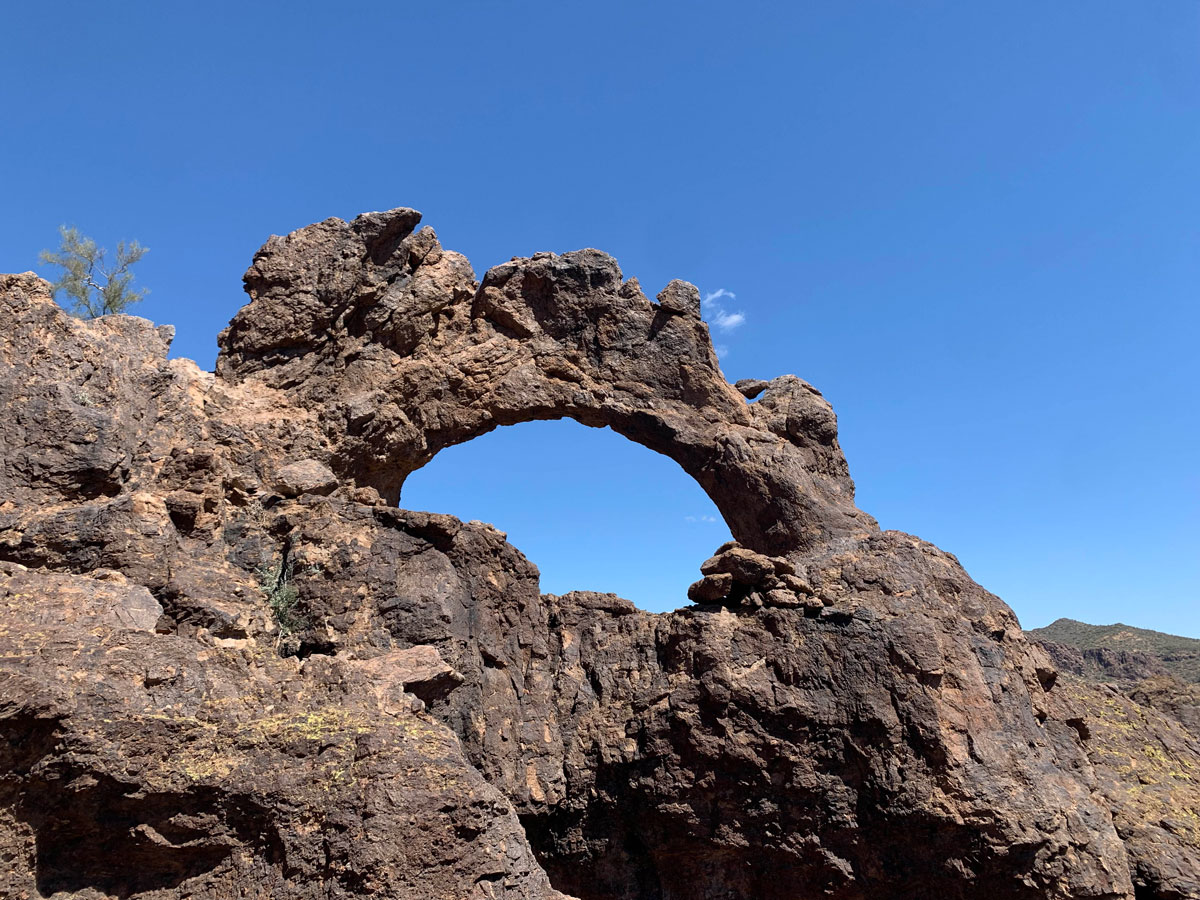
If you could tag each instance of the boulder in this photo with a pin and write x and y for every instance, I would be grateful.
(308, 476)
(750, 388)
(711, 588)
(745, 566)
(681, 298)
(419, 670)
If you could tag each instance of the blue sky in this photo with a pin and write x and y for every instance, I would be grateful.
(974, 226)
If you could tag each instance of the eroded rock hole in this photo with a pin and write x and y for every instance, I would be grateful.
(592, 509)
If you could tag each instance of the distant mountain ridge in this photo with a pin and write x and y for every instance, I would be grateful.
(1139, 648)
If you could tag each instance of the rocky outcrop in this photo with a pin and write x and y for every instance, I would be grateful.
(1145, 768)
(1108, 645)
(1140, 726)
(1170, 696)
(154, 741)
(1103, 663)
(736, 577)
(229, 643)
(144, 764)
(399, 353)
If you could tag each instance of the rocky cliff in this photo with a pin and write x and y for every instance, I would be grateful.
(231, 665)
(1120, 652)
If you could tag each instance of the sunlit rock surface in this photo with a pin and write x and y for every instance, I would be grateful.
(229, 662)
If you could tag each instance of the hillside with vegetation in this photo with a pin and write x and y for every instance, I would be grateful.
(1179, 655)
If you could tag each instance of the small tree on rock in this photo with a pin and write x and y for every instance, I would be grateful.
(94, 286)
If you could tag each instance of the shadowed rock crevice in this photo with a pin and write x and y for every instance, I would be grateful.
(111, 837)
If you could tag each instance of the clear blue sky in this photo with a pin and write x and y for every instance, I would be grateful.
(974, 226)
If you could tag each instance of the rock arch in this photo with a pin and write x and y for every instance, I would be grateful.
(402, 352)
(903, 739)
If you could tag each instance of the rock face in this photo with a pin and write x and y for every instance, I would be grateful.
(222, 639)
(1145, 769)
(153, 742)
(138, 763)
(1102, 663)
(1140, 726)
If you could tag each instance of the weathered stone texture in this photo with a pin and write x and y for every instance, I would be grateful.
(401, 353)
(221, 637)
(142, 764)
(1103, 664)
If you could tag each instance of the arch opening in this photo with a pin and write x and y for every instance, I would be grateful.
(592, 509)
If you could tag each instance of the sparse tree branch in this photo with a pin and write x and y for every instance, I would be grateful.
(94, 289)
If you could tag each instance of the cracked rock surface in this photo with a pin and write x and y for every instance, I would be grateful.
(230, 662)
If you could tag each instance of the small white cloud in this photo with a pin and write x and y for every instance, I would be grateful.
(713, 296)
(728, 321)
(722, 350)
(705, 519)
(718, 312)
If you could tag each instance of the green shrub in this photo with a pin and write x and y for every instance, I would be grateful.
(92, 285)
(275, 581)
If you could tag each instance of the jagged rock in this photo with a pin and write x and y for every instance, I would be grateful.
(1103, 663)
(435, 358)
(107, 599)
(1144, 769)
(750, 388)
(680, 297)
(796, 584)
(789, 599)
(1170, 696)
(783, 566)
(419, 670)
(904, 741)
(168, 768)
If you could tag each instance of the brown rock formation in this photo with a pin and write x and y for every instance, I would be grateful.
(1102, 663)
(1146, 771)
(845, 714)
(1171, 696)
(401, 353)
(1140, 726)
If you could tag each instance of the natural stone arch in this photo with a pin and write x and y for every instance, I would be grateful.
(402, 353)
